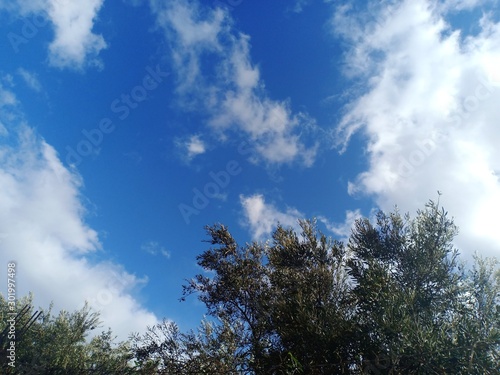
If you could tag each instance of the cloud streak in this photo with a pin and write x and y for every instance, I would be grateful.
(154, 248)
(30, 79)
(231, 94)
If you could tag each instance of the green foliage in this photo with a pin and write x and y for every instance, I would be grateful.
(393, 300)
(60, 344)
(213, 349)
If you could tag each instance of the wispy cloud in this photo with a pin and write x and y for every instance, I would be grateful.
(231, 95)
(429, 112)
(459, 5)
(7, 97)
(30, 79)
(154, 248)
(299, 5)
(342, 230)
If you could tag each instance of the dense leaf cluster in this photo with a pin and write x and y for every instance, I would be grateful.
(60, 345)
(393, 300)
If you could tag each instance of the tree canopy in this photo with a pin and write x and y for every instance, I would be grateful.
(60, 345)
(393, 299)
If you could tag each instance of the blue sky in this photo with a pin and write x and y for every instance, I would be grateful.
(127, 126)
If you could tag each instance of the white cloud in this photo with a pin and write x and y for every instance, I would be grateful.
(154, 248)
(430, 113)
(8, 102)
(30, 79)
(74, 45)
(74, 41)
(262, 217)
(232, 95)
(43, 230)
(342, 230)
(194, 146)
